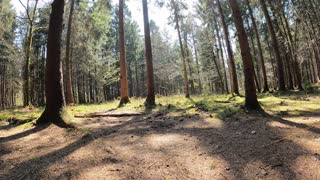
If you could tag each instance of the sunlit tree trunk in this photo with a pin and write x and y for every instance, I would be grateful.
(185, 73)
(123, 69)
(69, 94)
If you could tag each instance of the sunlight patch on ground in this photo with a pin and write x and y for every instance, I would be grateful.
(257, 169)
(165, 140)
(310, 143)
(302, 166)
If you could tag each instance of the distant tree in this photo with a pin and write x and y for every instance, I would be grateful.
(176, 18)
(260, 53)
(233, 73)
(55, 105)
(251, 101)
(275, 45)
(31, 16)
(150, 101)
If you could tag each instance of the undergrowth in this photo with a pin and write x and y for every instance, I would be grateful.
(223, 106)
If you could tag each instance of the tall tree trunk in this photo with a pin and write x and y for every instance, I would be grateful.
(27, 92)
(222, 58)
(150, 101)
(55, 104)
(232, 66)
(251, 101)
(297, 65)
(281, 81)
(123, 68)
(185, 73)
(264, 73)
(197, 61)
(69, 92)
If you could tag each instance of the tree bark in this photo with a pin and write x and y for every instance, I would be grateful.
(55, 104)
(69, 92)
(150, 101)
(123, 68)
(251, 101)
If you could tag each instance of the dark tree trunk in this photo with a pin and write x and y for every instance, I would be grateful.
(250, 90)
(150, 101)
(54, 111)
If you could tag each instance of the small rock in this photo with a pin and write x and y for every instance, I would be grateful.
(12, 166)
(227, 168)
(253, 132)
(264, 172)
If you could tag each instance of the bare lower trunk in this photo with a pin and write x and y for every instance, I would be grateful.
(54, 111)
(150, 101)
(251, 101)
(123, 68)
(69, 93)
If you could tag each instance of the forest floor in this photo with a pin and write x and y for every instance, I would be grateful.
(207, 137)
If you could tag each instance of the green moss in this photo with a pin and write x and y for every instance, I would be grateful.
(223, 106)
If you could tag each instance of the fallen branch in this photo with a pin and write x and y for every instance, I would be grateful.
(108, 115)
(222, 101)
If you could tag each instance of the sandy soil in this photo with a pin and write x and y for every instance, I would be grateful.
(165, 146)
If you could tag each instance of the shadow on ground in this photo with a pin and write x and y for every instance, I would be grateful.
(248, 144)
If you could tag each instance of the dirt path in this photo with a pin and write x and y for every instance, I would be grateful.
(165, 146)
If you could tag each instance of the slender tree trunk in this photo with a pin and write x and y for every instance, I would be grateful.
(197, 61)
(54, 111)
(150, 101)
(27, 92)
(69, 92)
(297, 65)
(281, 81)
(185, 73)
(189, 64)
(222, 59)
(260, 53)
(232, 66)
(251, 101)
(123, 68)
